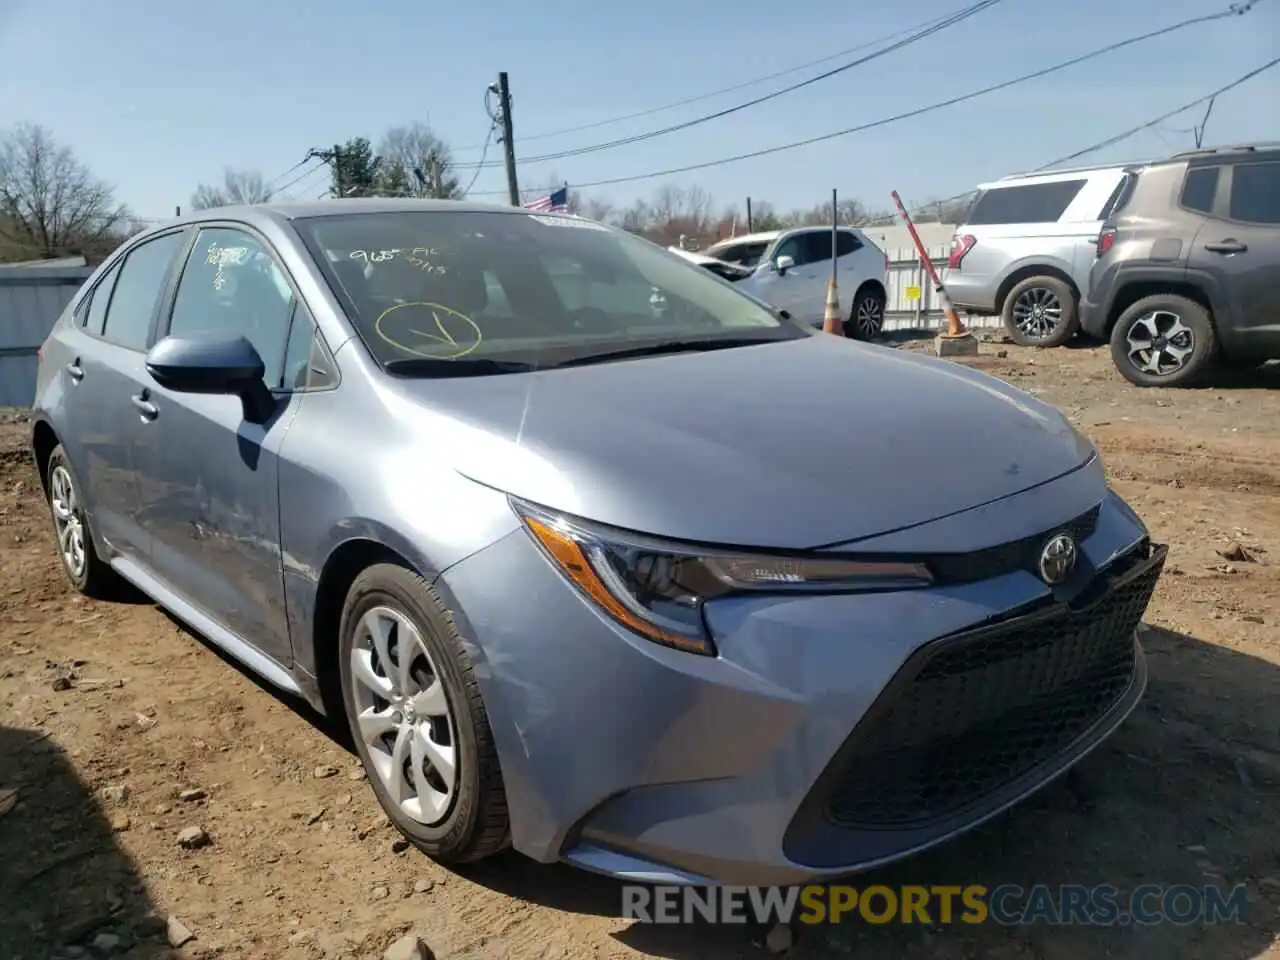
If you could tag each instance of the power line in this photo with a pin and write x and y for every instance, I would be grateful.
(729, 89)
(303, 176)
(487, 141)
(1207, 98)
(969, 11)
(1233, 10)
(281, 176)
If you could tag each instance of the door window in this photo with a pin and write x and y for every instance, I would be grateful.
(94, 318)
(1255, 192)
(232, 285)
(805, 248)
(847, 243)
(137, 291)
(1199, 189)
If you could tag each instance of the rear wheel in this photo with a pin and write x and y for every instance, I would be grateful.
(1164, 341)
(1041, 312)
(866, 319)
(88, 573)
(417, 718)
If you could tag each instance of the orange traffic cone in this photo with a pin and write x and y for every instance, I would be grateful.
(831, 322)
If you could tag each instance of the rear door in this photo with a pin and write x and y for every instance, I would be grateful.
(104, 375)
(1245, 241)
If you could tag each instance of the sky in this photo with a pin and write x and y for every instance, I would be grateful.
(158, 96)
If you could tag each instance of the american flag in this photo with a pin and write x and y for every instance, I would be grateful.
(557, 202)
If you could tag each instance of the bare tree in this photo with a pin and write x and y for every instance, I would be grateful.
(416, 163)
(238, 186)
(50, 204)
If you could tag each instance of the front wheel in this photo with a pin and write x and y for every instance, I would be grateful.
(417, 718)
(866, 319)
(1164, 340)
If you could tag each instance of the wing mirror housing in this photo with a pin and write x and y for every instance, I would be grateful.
(214, 364)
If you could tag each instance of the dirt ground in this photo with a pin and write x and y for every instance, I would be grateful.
(109, 712)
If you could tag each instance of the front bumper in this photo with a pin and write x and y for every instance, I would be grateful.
(831, 734)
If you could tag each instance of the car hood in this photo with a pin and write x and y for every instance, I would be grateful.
(793, 445)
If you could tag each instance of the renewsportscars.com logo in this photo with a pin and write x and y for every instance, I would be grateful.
(1007, 904)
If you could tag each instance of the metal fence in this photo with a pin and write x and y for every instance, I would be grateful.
(31, 298)
(912, 303)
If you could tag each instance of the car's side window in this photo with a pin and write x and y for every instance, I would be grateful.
(1199, 189)
(94, 317)
(817, 245)
(1255, 193)
(793, 247)
(307, 362)
(847, 243)
(232, 284)
(138, 287)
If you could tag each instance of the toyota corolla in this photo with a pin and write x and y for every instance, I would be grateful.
(598, 557)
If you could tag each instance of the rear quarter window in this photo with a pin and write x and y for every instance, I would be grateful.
(1199, 189)
(1029, 203)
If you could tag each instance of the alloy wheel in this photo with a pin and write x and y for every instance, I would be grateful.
(68, 520)
(1037, 312)
(869, 317)
(1159, 343)
(403, 715)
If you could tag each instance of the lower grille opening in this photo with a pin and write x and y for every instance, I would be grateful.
(979, 710)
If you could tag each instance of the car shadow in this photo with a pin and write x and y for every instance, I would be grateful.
(67, 887)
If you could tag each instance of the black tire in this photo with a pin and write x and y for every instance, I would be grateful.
(866, 317)
(94, 578)
(1045, 290)
(1162, 309)
(476, 824)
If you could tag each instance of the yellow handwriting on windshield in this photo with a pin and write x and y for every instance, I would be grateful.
(429, 330)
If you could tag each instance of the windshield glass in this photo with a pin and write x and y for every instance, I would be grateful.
(743, 254)
(530, 288)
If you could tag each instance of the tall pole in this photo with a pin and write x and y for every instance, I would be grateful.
(835, 232)
(508, 143)
(748, 215)
(338, 185)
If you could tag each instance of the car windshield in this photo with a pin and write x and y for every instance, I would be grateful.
(743, 254)
(525, 289)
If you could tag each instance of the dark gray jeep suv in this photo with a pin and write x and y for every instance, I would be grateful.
(1188, 266)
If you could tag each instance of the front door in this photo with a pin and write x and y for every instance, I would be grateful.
(209, 478)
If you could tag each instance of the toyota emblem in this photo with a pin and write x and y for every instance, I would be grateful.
(1057, 559)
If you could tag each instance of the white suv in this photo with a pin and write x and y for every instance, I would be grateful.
(791, 269)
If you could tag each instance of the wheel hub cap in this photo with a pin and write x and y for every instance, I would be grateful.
(1159, 343)
(403, 715)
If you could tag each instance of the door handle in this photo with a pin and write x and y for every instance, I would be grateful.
(148, 409)
(1230, 245)
(75, 370)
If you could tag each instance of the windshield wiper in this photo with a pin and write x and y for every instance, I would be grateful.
(462, 367)
(668, 346)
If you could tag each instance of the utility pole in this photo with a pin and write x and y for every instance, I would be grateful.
(436, 179)
(748, 215)
(338, 172)
(1199, 130)
(508, 143)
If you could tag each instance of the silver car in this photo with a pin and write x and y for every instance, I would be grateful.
(588, 568)
(1026, 247)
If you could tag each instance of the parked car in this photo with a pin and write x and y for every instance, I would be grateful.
(587, 580)
(722, 269)
(1188, 266)
(791, 270)
(1025, 249)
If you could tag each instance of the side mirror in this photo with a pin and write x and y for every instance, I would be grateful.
(783, 264)
(213, 363)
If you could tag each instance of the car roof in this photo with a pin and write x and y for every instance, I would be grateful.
(762, 237)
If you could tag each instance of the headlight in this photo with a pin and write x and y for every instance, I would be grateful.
(657, 589)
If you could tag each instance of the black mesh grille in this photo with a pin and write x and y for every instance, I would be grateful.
(1021, 554)
(978, 710)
